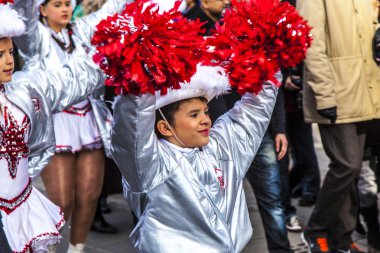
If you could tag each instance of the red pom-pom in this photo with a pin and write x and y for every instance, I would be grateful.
(256, 39)
(143, 51)
(6, 1)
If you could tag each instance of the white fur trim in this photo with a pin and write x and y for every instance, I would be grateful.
(207, 82)
(10, 23)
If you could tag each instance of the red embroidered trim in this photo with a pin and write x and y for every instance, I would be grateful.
(79, 111)
(28, 247)
(9, 205)
(62, 222)
(219, 175)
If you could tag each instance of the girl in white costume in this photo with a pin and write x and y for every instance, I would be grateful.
(29, 220)
(73, 179)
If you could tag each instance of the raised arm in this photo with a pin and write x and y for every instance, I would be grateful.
(241, 129)
(84, 27)
(65, 86)
(31, 42)
(134, 144)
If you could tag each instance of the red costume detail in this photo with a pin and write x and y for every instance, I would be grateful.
(12, 144)
(143, 51)
(6, 1)
(256, 39)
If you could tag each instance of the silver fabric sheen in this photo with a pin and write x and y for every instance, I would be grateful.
(175, 192)
(40, 94)
(40, 51)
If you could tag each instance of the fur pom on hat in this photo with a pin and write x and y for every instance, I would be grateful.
(208, 82)
(11, 24)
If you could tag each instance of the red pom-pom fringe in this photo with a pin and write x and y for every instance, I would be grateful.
(6, 1)
(143, 51)
(256, 39)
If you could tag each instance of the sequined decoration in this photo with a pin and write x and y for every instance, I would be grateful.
(9, 205)
(12, 144)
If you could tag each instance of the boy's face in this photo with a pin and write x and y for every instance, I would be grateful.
(191, 124)
(6, 60)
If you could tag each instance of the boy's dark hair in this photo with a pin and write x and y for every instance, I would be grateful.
(168, 111)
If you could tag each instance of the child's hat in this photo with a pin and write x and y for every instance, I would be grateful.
(11, 24)
(208, 82)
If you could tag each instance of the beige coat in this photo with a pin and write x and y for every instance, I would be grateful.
(339, 69)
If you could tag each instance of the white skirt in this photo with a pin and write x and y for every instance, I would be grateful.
(76, 129)
(34, 224)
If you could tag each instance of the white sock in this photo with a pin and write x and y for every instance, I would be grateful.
(78, 248)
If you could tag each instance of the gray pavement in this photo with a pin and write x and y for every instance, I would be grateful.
(121, 218)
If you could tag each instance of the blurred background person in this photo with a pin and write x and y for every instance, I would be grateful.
(341, 94)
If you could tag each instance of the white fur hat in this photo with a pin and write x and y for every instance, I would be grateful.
(11, 24)
(207, 82)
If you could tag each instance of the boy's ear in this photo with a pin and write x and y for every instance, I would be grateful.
(164, 129)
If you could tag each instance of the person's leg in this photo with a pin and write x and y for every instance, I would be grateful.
(296, 172)
(58, 178)
(292, 222)
(88, 184)
(368, 190)
(344, 145)
(264, 177)
(99, 223)
(301, 138)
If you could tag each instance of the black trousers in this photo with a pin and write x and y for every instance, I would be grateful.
(336, 209)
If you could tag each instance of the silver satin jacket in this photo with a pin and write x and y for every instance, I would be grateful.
(40, 51)
(189, 200)
(40, 94)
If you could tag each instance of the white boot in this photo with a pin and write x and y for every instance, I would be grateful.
(78, 248)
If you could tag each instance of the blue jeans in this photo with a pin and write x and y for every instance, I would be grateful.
(264, 177)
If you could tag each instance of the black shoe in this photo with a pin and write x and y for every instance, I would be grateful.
(307, 201)
(102, 226)
(352, 249)
(360, 228)
(104, 207)
(316, 243)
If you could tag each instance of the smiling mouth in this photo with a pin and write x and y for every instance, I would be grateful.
(204, 132)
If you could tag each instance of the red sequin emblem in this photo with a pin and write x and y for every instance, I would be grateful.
(12, 144)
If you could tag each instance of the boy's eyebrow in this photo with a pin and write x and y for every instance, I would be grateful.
(194, 110)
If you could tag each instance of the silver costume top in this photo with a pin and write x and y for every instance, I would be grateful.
(40, 51)
(189, 200)
(39, 94)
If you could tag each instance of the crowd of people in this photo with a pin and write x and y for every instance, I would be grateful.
(181, 158)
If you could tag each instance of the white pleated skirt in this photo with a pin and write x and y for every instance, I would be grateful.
(76, 129)
(34, 224)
